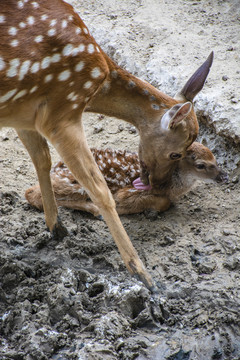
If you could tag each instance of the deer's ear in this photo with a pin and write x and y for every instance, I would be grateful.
(173, 117)
(196, 81)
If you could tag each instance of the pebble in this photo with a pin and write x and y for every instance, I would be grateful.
(235, 179)
(97, 129)
(132, 130)
(225, 78)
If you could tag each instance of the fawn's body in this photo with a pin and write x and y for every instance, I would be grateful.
(120, 170)
(51, 70)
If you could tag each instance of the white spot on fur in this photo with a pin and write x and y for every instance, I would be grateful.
(30, 20)
(81, 48)
(2, 19)
(33, 89)
(72, 96)
(22, 25)
(64, 24)
(95, 73)
(35, 5)
(85, 30)
(152, 98)
(24, 69)
(48, 78)
(45, 62)
(44, 17)
(14, 43)
(67, 50)
(20, 94)
(2, 64)
(38, 39)
(75, 51)
(20, 4)
(13, 31)
(75, 106)
(79, 66)
(7, 96)
(155, 107)
(35, 67)
(64, 75)
(52, 32)
(53, 22)
(90, 48)
(87, 85)
(12, 71)
(78, 31)
(56, 58)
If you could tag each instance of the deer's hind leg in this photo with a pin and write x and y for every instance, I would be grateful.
(38, 150)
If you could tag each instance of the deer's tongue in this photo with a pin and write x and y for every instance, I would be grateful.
(137, 183)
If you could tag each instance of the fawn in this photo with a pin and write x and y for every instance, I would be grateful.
(121, 170)
(52, 70)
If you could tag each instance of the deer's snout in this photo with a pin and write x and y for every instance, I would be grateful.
(222, 177)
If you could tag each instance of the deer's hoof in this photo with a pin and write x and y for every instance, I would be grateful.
(59, 231)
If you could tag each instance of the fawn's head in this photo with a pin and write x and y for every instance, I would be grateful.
(176, 127)
(200, 161)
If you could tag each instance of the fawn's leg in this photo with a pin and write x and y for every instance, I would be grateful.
(131, 201)
(70, 142)
(38, 150)
(65, 196)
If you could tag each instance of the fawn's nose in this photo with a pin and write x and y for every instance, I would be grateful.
(222, 177)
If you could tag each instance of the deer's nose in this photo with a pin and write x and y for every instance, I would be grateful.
(222, 177)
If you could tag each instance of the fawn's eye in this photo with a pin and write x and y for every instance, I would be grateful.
(200, 166)
(175, 156)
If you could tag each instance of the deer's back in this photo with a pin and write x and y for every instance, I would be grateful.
(46, 54)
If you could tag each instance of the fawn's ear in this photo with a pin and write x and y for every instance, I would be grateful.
(196, 81)
(173, 117)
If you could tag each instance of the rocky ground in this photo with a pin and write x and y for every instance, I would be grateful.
(74, 299)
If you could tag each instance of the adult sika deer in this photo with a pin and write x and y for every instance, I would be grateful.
(52, 70)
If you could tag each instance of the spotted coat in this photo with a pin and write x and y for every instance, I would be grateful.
(26, 73)
(119, 168)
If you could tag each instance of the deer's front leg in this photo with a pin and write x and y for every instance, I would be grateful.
(71, 144)
(38, 150)
(132, 201)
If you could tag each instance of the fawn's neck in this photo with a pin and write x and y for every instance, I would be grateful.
(127, 97)
(183, 179)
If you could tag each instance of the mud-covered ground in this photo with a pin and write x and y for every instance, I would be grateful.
(74, 299)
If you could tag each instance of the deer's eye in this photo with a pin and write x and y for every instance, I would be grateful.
(175, 156)
(200, 166)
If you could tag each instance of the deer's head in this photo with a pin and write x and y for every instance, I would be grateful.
(202, 164)
(173, 131)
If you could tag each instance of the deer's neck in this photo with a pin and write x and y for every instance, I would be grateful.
(126, 97)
